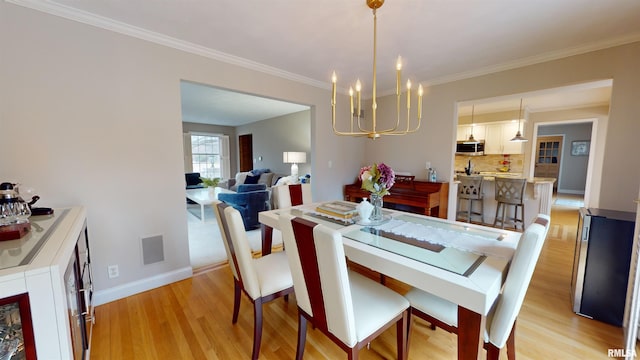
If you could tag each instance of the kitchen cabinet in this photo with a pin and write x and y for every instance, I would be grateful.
(498, 136)
(465, 130)
(51, 266)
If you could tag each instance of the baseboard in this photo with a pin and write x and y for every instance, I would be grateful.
(572, 192)
(135, 287)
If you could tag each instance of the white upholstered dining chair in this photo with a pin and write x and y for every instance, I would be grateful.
(261, 279)
(501, 320)
(347, 307)
(285, 196)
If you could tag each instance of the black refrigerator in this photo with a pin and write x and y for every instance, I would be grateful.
(601, 264)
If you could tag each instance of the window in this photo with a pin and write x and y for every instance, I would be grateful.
(208, 155)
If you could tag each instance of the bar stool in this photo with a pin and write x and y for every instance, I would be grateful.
(470, 189)
(510, 192)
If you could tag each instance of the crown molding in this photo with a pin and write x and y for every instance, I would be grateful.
(536, 59)
(154, 37)
(143, 34)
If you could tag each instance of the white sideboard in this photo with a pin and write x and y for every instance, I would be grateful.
(51, 265)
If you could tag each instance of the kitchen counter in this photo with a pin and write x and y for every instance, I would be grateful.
(533, 180)
(537, 196)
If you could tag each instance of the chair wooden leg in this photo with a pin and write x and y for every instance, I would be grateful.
(505, 208)
(511, 344)
(237, 292)
(493, 353)
(402, 334)
(257, 328)
(495, 219)
(302, 336)
(409, 320)
(353, 354)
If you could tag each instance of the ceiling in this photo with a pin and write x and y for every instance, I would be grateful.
(205, 104)
(439, 40)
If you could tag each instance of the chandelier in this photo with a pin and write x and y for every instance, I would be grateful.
(356, 117)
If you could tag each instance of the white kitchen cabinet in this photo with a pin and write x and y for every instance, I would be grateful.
(465, 130)
(498, 136)
(50, 265)
(493, 139)
(509, 130)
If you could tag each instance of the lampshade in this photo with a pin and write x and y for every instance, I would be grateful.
(294, 157)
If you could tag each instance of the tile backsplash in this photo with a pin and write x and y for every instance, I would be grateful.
(490, 162)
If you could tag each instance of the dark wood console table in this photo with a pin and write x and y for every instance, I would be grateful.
(420, 197)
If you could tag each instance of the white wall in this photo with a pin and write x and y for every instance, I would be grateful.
(92, 117)
(272, 137)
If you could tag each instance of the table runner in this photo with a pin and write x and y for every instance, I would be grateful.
(472, 241)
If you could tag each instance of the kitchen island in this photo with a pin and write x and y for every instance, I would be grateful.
(537, 197)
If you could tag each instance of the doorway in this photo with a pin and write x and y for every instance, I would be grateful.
(548, 158)
(555, 156)
(245, 149)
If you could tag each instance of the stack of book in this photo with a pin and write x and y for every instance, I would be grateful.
(339, 209)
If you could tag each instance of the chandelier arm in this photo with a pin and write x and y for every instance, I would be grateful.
(360, 125)
(351, 122)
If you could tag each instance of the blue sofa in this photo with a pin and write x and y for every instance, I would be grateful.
(249, 200)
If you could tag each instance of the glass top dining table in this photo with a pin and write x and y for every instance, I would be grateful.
(459, 262)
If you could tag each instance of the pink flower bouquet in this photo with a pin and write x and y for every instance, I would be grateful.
(377, 179)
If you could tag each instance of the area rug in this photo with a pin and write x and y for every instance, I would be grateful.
(194, 209)
(205, 241)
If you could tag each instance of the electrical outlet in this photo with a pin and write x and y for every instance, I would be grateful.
(113, 271)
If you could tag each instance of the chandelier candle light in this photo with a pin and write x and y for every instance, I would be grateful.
(373, 132)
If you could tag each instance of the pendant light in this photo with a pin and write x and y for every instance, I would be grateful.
(519, 137)
(471, 140)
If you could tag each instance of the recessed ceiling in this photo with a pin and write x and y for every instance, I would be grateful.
(305, 41)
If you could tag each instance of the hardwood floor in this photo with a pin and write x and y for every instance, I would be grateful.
(191, 319)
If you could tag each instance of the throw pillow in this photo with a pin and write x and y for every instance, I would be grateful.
(258, 172)
(240, 177)
(286, 180)
(265, 178)
(251, 179)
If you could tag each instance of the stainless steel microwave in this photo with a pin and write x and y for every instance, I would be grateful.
(470, 148)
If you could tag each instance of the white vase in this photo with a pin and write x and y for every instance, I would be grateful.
(364, 210)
